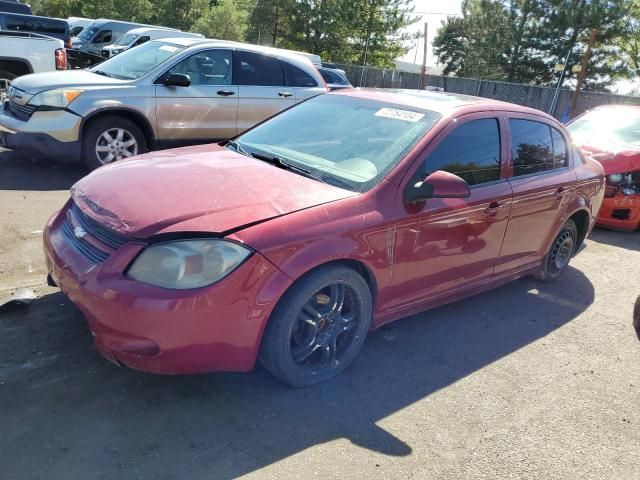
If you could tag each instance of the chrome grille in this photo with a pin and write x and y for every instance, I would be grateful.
(22, 112)
(75, 218)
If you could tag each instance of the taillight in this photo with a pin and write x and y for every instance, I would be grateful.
(61, 59)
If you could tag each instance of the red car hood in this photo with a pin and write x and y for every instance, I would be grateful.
(614, 157)
(196, 189)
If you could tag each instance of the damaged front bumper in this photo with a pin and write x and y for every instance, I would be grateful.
(157, 330)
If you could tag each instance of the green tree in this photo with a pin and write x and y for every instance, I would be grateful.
(224, 21)
(269, 21)
(449, 45)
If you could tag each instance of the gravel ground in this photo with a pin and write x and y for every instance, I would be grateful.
(527, 381)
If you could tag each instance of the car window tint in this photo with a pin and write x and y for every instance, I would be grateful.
(296, 77)
(211, 67)
(471, 151)
(141, 40)
(260, 70)
(532, 147)
(35, 25)
(103, 37)
(559, 149)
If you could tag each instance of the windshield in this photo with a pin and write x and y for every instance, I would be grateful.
(611, 124)
(127, 39)
(347, 141)
(134, 63)
(88, 33)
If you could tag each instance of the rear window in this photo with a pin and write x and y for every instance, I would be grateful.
(43, 26)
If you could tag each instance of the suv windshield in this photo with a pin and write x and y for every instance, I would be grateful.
(127, 39)
(134, 63)
(346, 141)
(610, 124)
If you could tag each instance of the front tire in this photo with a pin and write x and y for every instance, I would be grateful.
(636, 314)
(318, 327)
(560, 252)
(111, 138)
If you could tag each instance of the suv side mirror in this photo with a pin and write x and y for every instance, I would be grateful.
(439, 184)
(177, 80)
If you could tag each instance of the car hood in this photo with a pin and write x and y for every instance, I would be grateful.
(38, 82)
(614, 157)
(195, 189)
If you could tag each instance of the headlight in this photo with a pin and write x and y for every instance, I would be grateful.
(55, 98)
(615, 178)
(186, 264)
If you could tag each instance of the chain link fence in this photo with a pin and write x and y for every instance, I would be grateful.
(527, 95)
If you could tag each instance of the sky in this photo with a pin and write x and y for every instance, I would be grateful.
(433, 12)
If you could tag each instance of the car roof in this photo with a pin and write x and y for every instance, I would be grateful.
(141, 30)
(299, 59)
(441, 102)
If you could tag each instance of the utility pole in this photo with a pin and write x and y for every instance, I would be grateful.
(583, 70)
(423, 72)
(556, 94)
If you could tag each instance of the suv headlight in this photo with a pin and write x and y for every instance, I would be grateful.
(186, 264)
(58, 98)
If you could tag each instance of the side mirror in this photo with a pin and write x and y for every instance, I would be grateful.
(177, 80)
(439, 184)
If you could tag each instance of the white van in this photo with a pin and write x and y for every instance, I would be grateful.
(138, 36)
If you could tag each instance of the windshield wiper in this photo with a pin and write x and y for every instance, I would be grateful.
(101, 72)
(280, 162)
(236, 145)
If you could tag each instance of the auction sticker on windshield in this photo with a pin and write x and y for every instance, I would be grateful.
(398, 114)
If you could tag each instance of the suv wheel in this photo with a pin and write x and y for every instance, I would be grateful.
(109, 139)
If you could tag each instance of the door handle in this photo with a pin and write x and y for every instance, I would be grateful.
(559, 193)
(225, 93)
(285, 94)
(492, 209)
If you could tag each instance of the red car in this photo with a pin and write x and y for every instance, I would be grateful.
(611, 135)
(333, 218)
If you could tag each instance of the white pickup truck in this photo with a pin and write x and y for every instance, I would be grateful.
(22, 53)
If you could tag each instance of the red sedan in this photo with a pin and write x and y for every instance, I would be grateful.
(333, 218)
(611, 135)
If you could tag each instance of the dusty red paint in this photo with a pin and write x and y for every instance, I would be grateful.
(417, 256)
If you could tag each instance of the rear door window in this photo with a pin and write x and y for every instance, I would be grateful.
(471, 151)
(532, 147)
(559, 149)
(259, 70)
(296, 77)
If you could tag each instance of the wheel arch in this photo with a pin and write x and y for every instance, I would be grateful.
(130, 114)
(6, 63)
(582, 219)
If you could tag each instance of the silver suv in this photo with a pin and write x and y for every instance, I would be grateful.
(163, 93)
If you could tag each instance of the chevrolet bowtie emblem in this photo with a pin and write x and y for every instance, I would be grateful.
(79, 232)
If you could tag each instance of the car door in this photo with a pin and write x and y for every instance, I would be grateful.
(543, 183)
(205, 110)
(444, 246)
(262, 88)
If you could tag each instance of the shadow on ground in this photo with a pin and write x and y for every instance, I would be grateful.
(628, 240)
(20, 172)
(67, 413)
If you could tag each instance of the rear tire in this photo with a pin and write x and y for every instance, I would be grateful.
(636, 315)
(111, 138)
(560, 252)
(318, 327)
